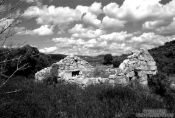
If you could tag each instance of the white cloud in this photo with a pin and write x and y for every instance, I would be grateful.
(48, 49)
(78, 31)
(95, 8)
(167, 30)
(112, 23)
(91, 19)
(65, 15)
(111, 10)
(150, 12)
(43, 30)
(116, 36)
(52, 14)
(149, 40)
(152, 25)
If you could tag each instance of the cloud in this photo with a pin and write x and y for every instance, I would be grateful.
(112, 23)
(96, 8)
(113, 28)
(149, 40)
(152, 25)
(43, 30)
(78, 31)
(167, 30)
(116, 36)
(151, 13)
(91, 19)
(64, 15)
(48, 49)
(52, 15)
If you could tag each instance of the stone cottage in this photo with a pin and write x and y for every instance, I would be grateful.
(71, 67)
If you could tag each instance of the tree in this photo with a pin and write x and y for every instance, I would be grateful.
(107, 59)
(116, 63)
(9, 18)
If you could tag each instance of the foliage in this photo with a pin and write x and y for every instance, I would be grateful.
(100, 72)
(159, 84)
(115, 63)
(164, 57)
(107, 59)
(29, 55)
(63, 100)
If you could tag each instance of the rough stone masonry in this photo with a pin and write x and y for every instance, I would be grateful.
(137, 67)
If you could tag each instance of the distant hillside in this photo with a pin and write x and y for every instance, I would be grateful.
(165, 57)
(56, 57)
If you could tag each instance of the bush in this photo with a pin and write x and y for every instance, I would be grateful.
(115, 63)
(107, 59)
(65, 100)
(159, 84)
(100, 72)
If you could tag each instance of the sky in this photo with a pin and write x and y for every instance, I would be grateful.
(95, 27)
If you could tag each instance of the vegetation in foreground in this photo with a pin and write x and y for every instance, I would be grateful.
(61, 100)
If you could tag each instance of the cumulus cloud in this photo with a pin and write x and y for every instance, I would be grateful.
(112, 28)
(149, 40)
(43, 30)
(167, 30)
(96, 8)
(91, 19)
(65, 15)
(48, 49)
(151, 13)
(116, 36)
(112, 23)
(152, 25)
(78, 31)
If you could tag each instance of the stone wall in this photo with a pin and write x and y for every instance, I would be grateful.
(64, 68)
(137, 67)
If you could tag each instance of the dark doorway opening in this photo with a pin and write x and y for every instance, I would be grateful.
(75, 73)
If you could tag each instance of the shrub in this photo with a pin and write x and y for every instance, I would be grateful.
(65, 100)
(115, 63)
(100, 72)
(107, 59)
(159, 84)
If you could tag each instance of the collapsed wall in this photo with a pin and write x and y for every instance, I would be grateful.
(137, 67)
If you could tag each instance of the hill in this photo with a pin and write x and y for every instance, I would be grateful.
(165, 57)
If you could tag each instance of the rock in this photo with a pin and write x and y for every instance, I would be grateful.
(42, 74)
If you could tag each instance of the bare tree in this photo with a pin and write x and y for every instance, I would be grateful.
(9, 18)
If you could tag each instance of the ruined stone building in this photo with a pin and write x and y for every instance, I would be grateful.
(137, 67)
(73, 66)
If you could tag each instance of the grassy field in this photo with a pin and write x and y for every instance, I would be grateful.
(62, 100)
